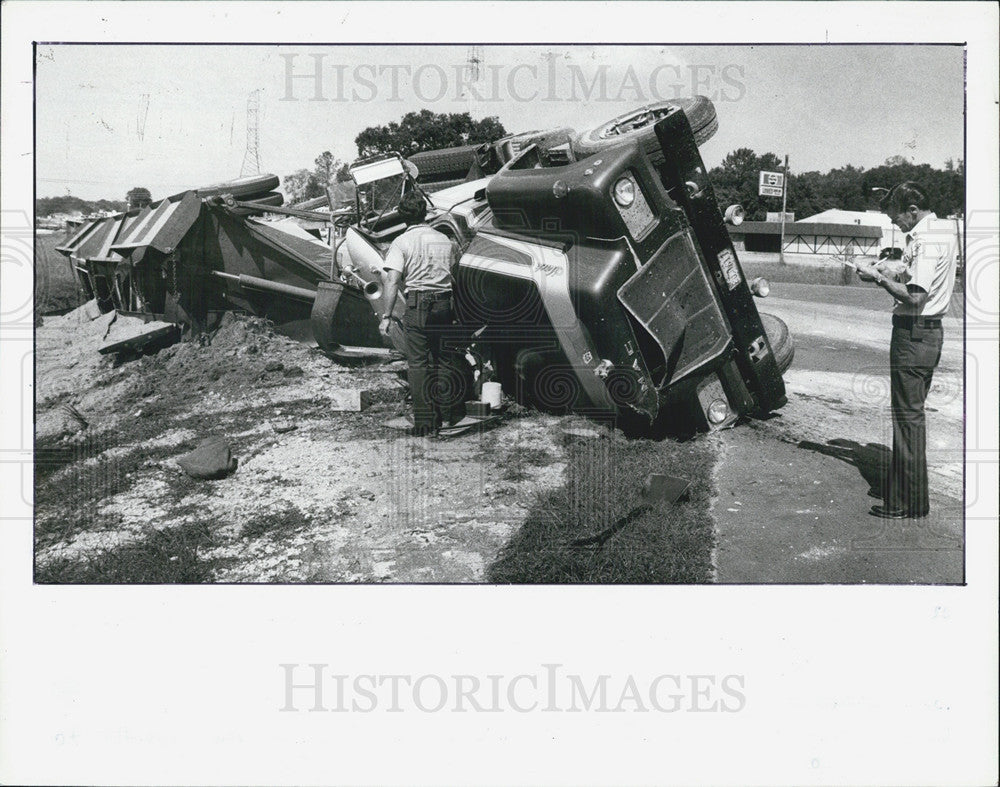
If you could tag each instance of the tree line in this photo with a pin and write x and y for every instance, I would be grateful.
(846, 188)
(68, 204)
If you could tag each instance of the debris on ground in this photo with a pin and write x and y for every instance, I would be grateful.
(322, 493)
(211, 460)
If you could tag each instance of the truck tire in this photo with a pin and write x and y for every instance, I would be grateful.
(780, 340)
(638, 124)
(444, 164)
(241, 187)
(273, 199)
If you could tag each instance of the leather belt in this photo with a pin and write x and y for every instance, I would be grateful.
(908, 321)
(415, 296)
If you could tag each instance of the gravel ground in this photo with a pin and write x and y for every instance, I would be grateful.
(319, 495)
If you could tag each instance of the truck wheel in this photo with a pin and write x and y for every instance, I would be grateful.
(241, 187)
(444, 164)
(638, 124)
(780, 339)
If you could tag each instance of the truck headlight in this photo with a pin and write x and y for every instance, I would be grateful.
(718, 411)
(760, 287)
(624, 192)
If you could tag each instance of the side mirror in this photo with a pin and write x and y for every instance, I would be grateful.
(734, 215)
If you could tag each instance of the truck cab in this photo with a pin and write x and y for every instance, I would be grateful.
(609, 285)
(605, 284)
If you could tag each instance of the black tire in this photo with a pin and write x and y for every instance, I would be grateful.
(273, 199)
(444, 164)
(780, 340)
(700, 113)
(241, 187)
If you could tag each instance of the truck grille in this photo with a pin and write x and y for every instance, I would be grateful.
(672, 298)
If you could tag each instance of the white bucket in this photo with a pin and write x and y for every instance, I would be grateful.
(492, 393)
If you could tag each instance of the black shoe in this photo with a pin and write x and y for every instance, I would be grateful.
(873, 492)
(896, 513)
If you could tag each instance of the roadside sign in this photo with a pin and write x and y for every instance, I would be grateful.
(772, 184)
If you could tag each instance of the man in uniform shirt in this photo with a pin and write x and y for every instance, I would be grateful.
(922, 288)
(420, 261)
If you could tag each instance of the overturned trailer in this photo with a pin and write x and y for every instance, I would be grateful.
(190, 257)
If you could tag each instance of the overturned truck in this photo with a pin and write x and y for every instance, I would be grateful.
(593, 275)
(605, 282)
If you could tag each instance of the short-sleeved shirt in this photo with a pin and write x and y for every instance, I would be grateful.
(929, 262)
(424, 256)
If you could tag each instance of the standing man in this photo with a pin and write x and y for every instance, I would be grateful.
(922, 290)
(420, 261)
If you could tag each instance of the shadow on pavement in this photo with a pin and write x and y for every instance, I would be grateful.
(871, 460)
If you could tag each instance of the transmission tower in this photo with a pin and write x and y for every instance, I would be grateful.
(251, 159)
(474, 62)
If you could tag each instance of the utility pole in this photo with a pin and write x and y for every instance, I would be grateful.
(784, 203)
(251, 158)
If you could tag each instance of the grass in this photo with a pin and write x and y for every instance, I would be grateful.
(55, 286)
(516, 464)
(276, 524)
(167, 556)
(802, 274)
(661, 544)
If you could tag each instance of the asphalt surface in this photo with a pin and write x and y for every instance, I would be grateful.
(793, 503)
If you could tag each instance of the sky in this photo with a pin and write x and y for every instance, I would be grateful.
(110, 117)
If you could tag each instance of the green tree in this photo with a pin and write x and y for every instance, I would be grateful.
(847, 187)
(68, 204)
(426, 130)
(328, 172)
(736, 180)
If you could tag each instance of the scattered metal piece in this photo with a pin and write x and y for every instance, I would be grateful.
(657, 488)
(156, 331)
(661, 488)
(599, 539)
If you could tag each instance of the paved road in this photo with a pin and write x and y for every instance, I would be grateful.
(793, 502)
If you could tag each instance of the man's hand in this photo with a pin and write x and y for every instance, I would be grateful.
(383, 326)
(867, 272)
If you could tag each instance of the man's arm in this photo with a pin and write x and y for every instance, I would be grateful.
(392, 279)
(904, 293)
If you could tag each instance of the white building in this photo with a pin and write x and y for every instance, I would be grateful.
(891, 236)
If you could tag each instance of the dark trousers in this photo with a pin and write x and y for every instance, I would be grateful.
(437, 383)
(913, 356)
